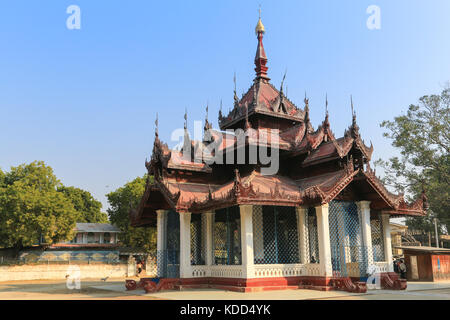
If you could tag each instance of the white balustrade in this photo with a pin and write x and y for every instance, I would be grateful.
(219, 271)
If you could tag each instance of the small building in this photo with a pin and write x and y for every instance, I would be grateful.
(427, 263)
(93, 234)
(93, 242)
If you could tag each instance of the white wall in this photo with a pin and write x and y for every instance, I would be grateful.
(59, 271)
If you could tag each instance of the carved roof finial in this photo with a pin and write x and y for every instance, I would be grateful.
(326, 105)
(282, 81)
(354, 127)
(207, 124)
(247, 123)
(185, 119)
(281, 106)
(156, 125)
(306, 101)
(236, 99)
(353, 110)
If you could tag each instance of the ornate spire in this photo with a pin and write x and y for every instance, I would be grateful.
(185, 119)
(260, 58)
(259, 25)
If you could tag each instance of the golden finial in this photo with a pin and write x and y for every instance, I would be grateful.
(259, 26)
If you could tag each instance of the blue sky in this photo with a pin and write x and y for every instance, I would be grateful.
(84, 101)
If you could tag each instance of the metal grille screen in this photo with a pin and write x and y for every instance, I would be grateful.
(227, 236)
(169, 259)
(312, 242)
(376, 228)
(275, 235)
(348, 255)
(198, 240)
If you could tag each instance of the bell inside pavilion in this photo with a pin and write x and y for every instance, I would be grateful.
(321, 221)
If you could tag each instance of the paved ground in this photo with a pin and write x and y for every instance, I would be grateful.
(114, 289)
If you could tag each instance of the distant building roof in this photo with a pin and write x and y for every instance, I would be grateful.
(425, 249)
(96, 227)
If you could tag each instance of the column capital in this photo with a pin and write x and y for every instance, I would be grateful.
(363, 204)
(161, 213)
(301, 209)
(246, 208)
(322, 207)
(325, 205)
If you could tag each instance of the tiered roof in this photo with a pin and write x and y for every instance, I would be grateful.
(315, 167)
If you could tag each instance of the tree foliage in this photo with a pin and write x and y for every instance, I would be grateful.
(31, 207)
(89, 209)
(121, 201)
(422, 136)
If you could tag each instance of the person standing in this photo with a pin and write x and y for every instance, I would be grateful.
(402, 268)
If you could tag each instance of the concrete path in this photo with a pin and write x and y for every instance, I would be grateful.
(415, 291)
(115, 289)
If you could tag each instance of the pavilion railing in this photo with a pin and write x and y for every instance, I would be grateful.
(286, 270)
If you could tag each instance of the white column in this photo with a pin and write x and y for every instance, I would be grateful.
(101, 237)
(364, 213)
(185, 245)
(387, 241)
(247, 241)
(323, 231)
(209, 238)
(302, 231)
(160, 240)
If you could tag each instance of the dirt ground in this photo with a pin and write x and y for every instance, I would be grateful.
(57, 290)
(114, 289)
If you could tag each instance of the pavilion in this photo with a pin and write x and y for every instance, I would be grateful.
(323, 215)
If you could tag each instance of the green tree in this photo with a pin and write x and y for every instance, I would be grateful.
(31, 207)
(422, 136)
(89, 209)
(121, 201)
